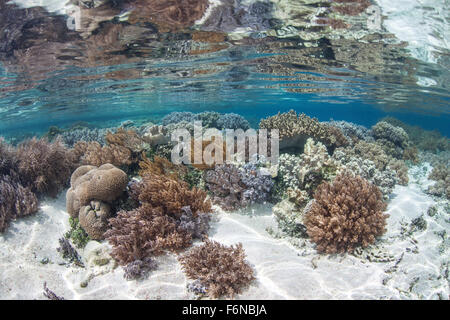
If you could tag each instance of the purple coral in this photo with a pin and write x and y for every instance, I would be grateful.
(197, 225)
(139, 268)
(232, 187)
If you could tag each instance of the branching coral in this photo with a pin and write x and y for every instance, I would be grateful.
(346, 214)
(44, 167)
(441, 174)
(307, 171)
(221, 269)
(144, 232)
(232, 187)
(295, 129)
(139, 268)
(15, 201)
(209, 120)
(172, 195)
(393, 139)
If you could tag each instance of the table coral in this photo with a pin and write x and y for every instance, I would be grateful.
(346, 214)
(295, 129)
(221, 269)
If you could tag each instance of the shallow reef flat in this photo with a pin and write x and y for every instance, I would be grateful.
(410, 261)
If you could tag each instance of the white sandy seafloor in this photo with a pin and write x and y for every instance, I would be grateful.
(406, 263)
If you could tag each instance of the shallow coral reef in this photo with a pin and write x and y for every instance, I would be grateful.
(346, 214)
(294, 130)
(221, 269)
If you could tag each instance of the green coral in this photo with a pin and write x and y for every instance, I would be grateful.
(77, 234)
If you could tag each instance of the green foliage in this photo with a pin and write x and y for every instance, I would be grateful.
(77, 234)
(194, 178)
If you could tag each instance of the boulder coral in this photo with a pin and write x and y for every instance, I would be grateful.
(346, 214)
(100, 185)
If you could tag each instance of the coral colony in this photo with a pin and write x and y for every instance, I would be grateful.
(153, 189)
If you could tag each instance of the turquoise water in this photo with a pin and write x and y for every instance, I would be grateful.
(145, 74)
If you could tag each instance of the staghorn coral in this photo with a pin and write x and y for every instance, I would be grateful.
(345, 214)
(232, 187)
(139, 268)
(144, 232)
(15, 201)
(295, 129)
(105, 183)
(171, 195)
(44, 167)
(221, 269)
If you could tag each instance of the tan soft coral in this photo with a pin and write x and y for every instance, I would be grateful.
(92, 153)
(144, 232)
(161, 166)
(295, 129)
(345, 215)
(221, 269)
(172, 195)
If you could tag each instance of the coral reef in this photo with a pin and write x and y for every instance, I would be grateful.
(43, 166)
(92, 153)
(345, 214)
(102, 186)
(105, 183)
(352, 131)
(171, 195)
(139, 268)
(156, 135)
(15, 201)
(77, 234)
(233, 187)
(209, 120)
(440, 174)
(393, 139)
(68, 252)
(295, 129)
(307, 171)
(422, 139)
(94, 218)
(71, 136)
(221, 269)
(144, 232)
(385, 179)
(196, 225)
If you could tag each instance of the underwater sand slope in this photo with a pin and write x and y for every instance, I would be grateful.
(409, 262)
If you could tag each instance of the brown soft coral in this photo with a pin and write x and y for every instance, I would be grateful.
(221, 269)
(172, 195)
(44, 166)
(125, 138)
(92, 153)
(346, 214)
(143, 232)
(161, 166)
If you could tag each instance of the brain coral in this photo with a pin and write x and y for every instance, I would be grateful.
(89, 183)
(94, 219)
(295, 129)
(345, 214)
